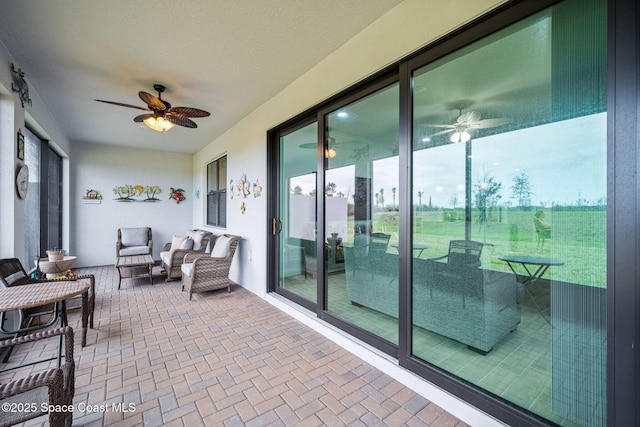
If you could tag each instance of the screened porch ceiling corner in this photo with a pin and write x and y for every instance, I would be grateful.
(224, 57)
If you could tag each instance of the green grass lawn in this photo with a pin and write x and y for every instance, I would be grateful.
(578, 238)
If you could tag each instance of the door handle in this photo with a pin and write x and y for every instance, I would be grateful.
(276, 226)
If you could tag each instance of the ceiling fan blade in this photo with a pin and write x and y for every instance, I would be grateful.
(470, 116)
(142, 117)
(122, 105)
(442, 132)
(438, 126)
(188, 112)
(489, 123)
(153, 102)
(181, 121)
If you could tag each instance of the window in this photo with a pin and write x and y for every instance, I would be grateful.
(43, 205)
(217, 192)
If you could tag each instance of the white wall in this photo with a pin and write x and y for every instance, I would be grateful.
(405, 29)
(13, 116)
(103, 167)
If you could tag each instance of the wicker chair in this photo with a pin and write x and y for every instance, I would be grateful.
(53, 386)
(134, 241)
(172, 259)
(204, 272)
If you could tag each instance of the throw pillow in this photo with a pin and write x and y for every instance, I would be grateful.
(177, 241)
(197, 236)
(221, 247)
(212, 242)
(187, 244)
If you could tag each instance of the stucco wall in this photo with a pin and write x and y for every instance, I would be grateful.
(103, 167)
(405, 29)
(14, 116)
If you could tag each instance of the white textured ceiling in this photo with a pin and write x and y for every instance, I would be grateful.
(223, 56)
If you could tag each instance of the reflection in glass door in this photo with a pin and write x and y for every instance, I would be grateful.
(296, 225)
(510, 175)
(361, 213)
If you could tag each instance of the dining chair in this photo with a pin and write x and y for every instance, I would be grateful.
(12, 273)
(52, 387)
(463, 253)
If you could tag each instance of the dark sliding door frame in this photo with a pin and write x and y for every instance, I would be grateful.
(274, 234)
(623, 214)
(50, 199)
(381, 81)
(623, 210)
(49, 196)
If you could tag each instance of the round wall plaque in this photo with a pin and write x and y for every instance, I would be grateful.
(22, 181)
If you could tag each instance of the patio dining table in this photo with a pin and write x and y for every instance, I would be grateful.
(532, 268)
(39, 294)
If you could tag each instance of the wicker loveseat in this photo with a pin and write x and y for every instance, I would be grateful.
(474, 306)
(171, 258)
(207, 272)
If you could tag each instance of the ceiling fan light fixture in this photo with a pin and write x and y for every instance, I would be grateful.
(330, 153)
(159, 124)
(463, 136)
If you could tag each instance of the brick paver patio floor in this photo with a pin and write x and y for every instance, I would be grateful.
(223, 359)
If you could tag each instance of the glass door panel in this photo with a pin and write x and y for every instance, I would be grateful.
(361, 213)
(297, 242)
(509, 186)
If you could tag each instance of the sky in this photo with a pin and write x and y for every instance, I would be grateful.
(564, 161)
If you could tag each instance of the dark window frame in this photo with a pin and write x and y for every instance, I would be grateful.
(217, 198)
(49, 195)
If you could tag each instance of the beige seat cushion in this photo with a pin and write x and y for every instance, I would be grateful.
(187, 269)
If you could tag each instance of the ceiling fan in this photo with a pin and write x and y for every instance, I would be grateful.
(467, 122)
(330, 151)
(163, 116)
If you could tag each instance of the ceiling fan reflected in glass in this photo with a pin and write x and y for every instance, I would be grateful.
(329, 151)
(163, 116)
(465, 123)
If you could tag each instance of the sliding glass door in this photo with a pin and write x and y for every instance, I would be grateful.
(509, 183)
(295, 225)
(361, 212)
(452, 211)
(43, 204)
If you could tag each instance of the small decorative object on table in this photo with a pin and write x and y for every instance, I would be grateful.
(59, 265)
(66, 275)
(55, 254)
